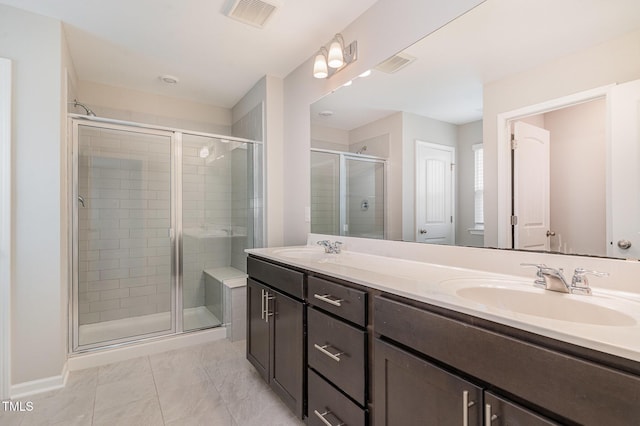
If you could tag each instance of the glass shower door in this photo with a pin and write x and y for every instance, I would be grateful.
(124, 228)
(325, 193)
(364, 194)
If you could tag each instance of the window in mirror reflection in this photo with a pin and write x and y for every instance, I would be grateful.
(478, 186)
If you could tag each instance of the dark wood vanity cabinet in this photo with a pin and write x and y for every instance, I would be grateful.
(411, 391)
(526, 379)
(275, 330)
(340, 353)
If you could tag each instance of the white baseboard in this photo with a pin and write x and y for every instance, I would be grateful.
(33, 387)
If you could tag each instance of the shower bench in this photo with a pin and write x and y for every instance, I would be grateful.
(233, 283)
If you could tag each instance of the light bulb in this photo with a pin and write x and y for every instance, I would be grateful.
(320, 65)
(335, 58)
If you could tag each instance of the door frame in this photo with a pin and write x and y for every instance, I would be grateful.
(504, 121)
(5, 227)
(452, 150)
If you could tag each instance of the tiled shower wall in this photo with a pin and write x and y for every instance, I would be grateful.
(124, 250)
(206, 214)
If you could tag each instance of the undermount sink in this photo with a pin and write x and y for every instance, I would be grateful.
(303, 253)
(528, 300)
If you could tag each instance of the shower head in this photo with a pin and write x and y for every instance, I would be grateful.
(88, 111)
(361, 150)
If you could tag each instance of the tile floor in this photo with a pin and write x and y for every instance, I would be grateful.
(211, 384)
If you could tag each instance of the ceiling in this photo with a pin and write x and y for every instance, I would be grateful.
(131, 43)
(496, 39)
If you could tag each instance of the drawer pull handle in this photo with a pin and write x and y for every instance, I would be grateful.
(488, 417)
(325, 421)
(325, 298)
(323, 349)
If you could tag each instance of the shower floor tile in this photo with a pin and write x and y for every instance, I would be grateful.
(209, 384)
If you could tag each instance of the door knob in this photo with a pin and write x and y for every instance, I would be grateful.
(624, 244)
(423, 231)
(551, 234)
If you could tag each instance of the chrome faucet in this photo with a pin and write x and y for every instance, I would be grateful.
(553, 279)
(580, 284)
(330, 247)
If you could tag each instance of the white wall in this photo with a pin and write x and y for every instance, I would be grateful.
(614, 61)
(404, 22)
(35, 44)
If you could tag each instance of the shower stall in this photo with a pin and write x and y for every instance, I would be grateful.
(157, 215)
(347, 194)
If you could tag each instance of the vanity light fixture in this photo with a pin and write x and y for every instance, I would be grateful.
(328, 62)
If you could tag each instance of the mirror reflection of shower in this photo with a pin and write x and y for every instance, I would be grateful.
(347, 193)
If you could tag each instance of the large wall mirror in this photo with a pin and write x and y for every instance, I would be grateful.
(430, 131)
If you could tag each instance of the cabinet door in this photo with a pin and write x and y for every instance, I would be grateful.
(286, 316)
(257, 328)
(502, 412)
(411, 391)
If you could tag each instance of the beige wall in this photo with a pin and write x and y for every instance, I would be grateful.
(132, 105)
(615, 61)
(578, 178)
(467, 135)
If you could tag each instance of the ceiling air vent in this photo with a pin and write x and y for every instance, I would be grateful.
(395, 63)
(252, 12)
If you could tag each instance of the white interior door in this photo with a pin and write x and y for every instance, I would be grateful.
(531, 192)
(434, 193)
(624, 214)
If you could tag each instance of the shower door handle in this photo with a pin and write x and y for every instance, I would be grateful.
(81, 200)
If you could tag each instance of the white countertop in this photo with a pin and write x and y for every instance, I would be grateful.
(438, 285)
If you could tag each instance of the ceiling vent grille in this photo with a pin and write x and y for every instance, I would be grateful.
(395, 63)
(252, 12)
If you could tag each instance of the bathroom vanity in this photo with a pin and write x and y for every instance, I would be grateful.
(359, 339)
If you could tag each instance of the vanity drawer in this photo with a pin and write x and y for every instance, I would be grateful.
(327, 402)
(338, 352)
(340, 300)
(279, 277)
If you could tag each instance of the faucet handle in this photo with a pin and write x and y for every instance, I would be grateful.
(540, 280)
(580, 283)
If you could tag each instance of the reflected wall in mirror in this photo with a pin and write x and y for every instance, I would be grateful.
(450, 88)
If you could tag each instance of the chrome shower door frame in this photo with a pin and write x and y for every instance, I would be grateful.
(75, 123)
